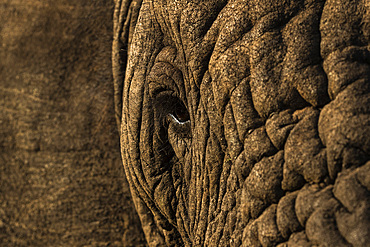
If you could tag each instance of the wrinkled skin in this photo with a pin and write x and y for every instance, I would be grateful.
(246, 122)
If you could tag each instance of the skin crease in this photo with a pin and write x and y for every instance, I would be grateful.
(275, 150)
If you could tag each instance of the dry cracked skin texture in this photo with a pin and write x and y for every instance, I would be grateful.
(61, 177)
(246, 122)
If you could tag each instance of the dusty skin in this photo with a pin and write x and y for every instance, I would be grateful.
(246, 123)
(61, 177)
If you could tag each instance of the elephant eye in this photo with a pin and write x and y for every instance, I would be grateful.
(173, 114)
(172, 117)
(170, 108)
(180, 113)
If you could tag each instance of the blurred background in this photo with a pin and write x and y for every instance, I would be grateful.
(61, 178)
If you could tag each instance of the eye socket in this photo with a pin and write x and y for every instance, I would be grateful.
(178, 120)
(180, 113)
(172, 114)
(167, 104)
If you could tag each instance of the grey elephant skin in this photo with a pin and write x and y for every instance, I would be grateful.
(246, 123)
(61, 177)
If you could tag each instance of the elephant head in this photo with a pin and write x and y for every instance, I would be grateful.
(246, 122)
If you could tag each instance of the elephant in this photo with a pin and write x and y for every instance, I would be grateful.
(245, 123)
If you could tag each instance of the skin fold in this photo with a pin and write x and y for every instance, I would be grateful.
(245, 123)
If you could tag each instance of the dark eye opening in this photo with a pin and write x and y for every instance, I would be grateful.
(181, 113)
(167, 104)
(172, 115)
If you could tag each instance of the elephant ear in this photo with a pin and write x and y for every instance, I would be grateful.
(126, 13)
